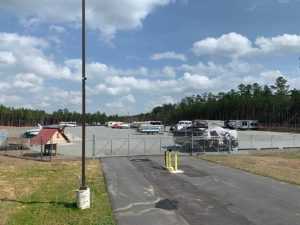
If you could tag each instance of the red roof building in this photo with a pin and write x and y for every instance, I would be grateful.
(50, 136)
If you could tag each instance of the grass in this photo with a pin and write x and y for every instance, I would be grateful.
(283, 166)
(38, 193)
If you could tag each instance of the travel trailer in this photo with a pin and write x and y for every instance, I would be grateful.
(151, 127)
(68, 124)
(183, 124)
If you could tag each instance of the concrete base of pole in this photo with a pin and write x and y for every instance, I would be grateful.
(83, 198)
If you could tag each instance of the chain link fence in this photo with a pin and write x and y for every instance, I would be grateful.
(133, 145)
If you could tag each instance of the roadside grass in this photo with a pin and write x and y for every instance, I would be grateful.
(283, 166)
(39, 193)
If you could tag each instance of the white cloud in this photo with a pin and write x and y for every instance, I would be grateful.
(29, 80)
(29, 68)
(9, 99)
(271, 75)
(106, 16)
(160, 101)
(232, 44)
(235, 45)
(129, 83)
(106, 89)
(4, 86)
(169, 71)
(122, 105)
(12, 39)
(57, 29)
(283, 43)
(64, 97)
(168, 55)
(197, 81)
(26, 54)
(7, 57)
(129, 98)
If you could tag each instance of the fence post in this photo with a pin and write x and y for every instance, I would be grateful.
(41, 148)
(252, 145)
(144, 146)
(271, 141)
(128, 144)
(294, 140)
(160, 144)
(94, 146)
(51, 148)
(111, 147)
(192, 143)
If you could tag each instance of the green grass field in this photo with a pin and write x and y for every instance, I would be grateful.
(36, 193)
(283, 166)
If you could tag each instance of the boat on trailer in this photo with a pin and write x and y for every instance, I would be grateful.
(242, 124)
(200, 137)
(32, 132)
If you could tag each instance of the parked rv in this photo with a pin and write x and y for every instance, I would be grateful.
(151, 127)
(112, 123)
(68, 124)
(121, 126)
(241, 124)
(183, 124)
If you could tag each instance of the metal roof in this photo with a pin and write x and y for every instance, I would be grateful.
(45, 136)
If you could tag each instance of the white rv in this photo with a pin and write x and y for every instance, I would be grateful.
(242, 124)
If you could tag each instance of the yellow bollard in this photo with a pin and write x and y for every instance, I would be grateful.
(168, 160)
(171, 163)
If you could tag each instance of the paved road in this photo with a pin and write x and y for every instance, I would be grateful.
(206, 194)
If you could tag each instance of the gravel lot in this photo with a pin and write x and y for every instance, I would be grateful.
(117, 142)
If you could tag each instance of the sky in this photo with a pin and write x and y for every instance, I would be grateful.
(142, 53)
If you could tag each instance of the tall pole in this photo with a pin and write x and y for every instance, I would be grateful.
(83, 120)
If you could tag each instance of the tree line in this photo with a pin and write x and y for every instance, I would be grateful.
(272, 105)
(10, 116)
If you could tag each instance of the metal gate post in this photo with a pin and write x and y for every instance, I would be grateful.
(51, 148)
(192, 143)
(41, 148)
(94, 146)
(111, 147)
(272, 141)
(160, 144)
(128, 145)
(294, 141)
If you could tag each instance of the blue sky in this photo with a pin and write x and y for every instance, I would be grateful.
(143, 53)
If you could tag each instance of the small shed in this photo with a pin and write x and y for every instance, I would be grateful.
(49, 138)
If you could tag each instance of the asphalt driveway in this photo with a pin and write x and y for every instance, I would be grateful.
(142, 192)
